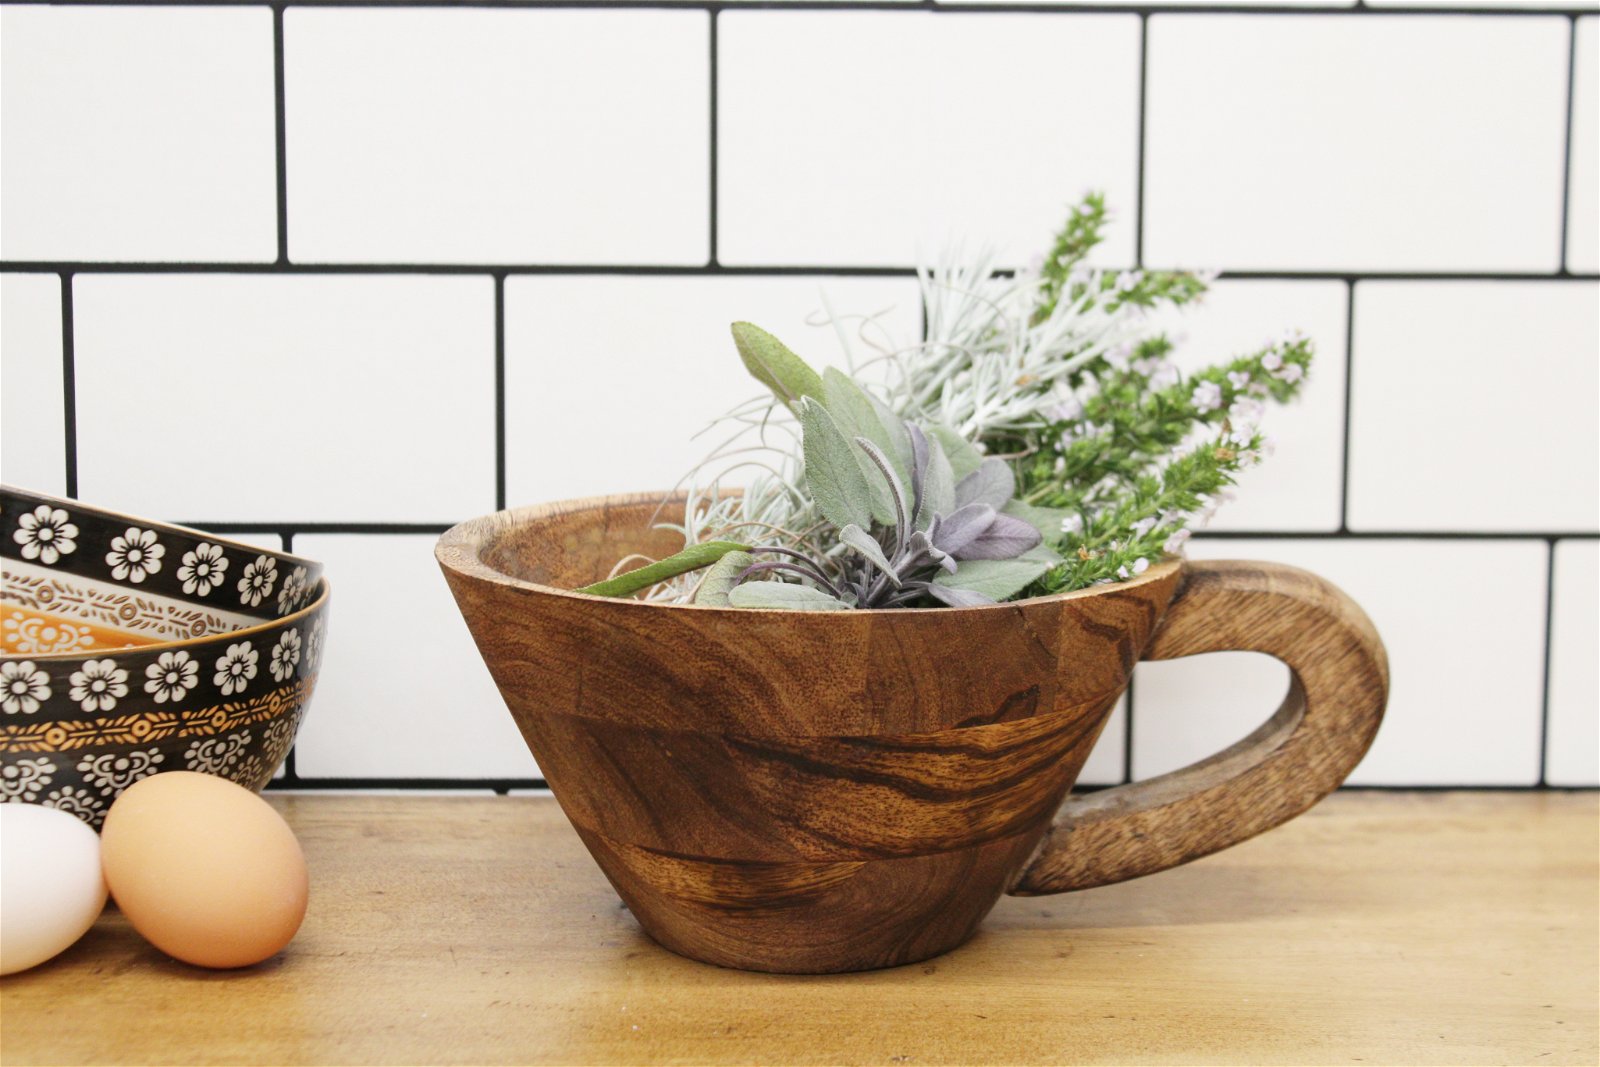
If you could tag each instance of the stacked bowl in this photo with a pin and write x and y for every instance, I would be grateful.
(130, 647)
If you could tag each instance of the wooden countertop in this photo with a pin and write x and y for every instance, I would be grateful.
(1379, 928)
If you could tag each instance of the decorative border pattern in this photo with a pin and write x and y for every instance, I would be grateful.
(145, 727)
(106, 606)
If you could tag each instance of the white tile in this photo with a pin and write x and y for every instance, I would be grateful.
(138, 133)
(1298, 486)
(403, 693)
(1572, 746)
(254, 398)
(878, 137)
(1107, 762)
(436, 135)
(609, 377)
(1463, 622)
(1583, 210)
(1473, 406)
(1335, 143)
(32, 407)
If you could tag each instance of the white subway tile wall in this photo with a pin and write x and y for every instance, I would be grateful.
(338, 277)
(33, 442)
(137, 134)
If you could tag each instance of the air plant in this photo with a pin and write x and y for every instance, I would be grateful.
(945, 541)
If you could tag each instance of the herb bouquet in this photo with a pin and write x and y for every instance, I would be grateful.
(1039, 439)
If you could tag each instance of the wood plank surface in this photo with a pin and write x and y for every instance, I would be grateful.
(1449, 928)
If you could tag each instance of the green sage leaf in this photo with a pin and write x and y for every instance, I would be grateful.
(785, 596)
(1046, 520)
(720, 579)
(771, 363)
(690, 559)
(837, 473)
(963, 455)
(997, 579)
(852, 408)
(864, 543)
(938, 486)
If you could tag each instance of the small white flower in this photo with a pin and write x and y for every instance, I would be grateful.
(1119, 356)
(203, 569)
(1246, 411)
(1165, 376)
(45, 534)
(1291, 373)
(235, 668)
(1128, 280)
(255, 585)
(1207, 397)
(285, 655)
(1061, 464)
(1271, 361)
(99, 685)
(1066, 409)
(1238, 378)
(1072, 524)
(294, 588)
(135, 555)
(171, 677)
(1141, 565)
(22, 687)
(1175, 542)
(1144, 526)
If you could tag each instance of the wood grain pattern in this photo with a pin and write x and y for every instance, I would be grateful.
(799, 791)
(477, 930)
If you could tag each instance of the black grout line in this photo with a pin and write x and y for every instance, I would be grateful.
(1566, 154)
(1139, 148)
(1549, 642)
(713, 93)
(282, 162)
(1359, 8)
(1127, 730)
(717, 270)
(500, 392)
(1349, 377)
(69, 386)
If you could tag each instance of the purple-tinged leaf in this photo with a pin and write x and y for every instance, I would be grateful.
(992, 483)
(1006, 538)
(954, 532)
(958, 598)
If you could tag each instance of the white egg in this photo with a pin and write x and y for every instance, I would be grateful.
(51, 888)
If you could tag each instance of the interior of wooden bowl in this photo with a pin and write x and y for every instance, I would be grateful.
(576, 542)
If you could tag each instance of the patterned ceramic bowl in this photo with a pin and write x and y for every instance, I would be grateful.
(78, 578)
(117, 665)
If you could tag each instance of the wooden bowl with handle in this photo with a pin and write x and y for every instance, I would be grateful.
(836, 791)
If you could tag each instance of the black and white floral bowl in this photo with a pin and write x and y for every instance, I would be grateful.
(122, 678)
(78, 578)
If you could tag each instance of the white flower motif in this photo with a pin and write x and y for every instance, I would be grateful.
(286, 655)
(99, 685)
(172, 676)
(255, 585)
(45, 534)
(294, 588)
(22, 687)
(113, 772)
(1207, 397)
(277, 738)
(216, 755)
(203, 569)
(314, 646)
(74, 801)
(235, 668)
(25, 779)
(135, 555)
(26, 634)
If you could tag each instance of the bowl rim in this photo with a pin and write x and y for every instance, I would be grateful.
(460, 551)
(264, 625)
(8, 490)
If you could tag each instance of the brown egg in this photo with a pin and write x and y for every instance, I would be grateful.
(204, 869)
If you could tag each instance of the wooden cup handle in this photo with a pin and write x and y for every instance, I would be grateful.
(1339, 683)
